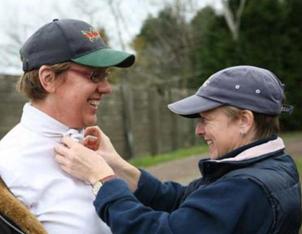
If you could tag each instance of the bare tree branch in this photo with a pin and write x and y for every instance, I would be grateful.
(233, 20)
(117, 19)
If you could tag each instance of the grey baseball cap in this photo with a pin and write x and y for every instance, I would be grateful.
(70, 40)
(246, 87)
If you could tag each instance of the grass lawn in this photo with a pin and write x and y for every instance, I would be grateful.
(148, 160)
(298, 161)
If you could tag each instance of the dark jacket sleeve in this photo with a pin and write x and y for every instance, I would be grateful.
(234, 205)
(157, 195)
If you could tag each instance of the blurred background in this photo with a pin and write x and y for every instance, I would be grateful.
(178, 44)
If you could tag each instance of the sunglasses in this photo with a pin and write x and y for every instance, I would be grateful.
(94, 76)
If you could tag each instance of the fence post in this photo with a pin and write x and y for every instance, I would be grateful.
(127, 112)
(174, 123)
(153, 111)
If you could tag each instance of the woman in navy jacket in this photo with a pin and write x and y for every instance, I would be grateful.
(248, 185)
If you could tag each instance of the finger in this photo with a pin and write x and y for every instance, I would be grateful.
(66, 169)
(97, 132)
(68, 141)
(60, 159)
(93, 131)
(102, 139)
(90, 140)
(101, 133)
(61, 149)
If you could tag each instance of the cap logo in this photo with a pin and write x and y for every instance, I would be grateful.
(92, 34)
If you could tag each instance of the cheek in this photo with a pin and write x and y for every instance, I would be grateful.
(74, 101)
(79, 96)
(231, 140)
(211, 131)
(220, 136)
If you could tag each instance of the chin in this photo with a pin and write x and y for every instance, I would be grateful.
(214, 156)
(91, 122)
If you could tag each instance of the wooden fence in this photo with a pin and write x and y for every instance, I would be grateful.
(136, 119)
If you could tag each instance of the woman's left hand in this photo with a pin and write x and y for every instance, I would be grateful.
(81, 162)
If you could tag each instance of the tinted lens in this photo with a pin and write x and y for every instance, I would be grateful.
(98, 76)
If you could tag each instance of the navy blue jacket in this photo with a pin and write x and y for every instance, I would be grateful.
(248, 196)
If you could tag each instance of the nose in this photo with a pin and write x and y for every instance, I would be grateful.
(199, 129)
(104, 87)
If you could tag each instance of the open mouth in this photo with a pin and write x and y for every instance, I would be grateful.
(208, 142)
(94, 103)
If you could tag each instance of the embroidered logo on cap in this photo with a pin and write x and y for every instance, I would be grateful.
(92, 34)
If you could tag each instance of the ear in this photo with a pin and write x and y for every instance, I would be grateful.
(246, 122)
(47, 79)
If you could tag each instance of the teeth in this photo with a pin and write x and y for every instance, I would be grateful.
(209, 142)
(94, 102)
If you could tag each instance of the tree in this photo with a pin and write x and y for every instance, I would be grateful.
(269, 37)
(214, 47)
(163, 47)
(291, 62)
(233, 18)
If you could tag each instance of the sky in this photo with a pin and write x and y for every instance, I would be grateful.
(19, 19)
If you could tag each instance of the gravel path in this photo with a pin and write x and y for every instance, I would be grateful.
(183, 170)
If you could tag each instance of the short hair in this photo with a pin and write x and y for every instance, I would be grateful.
(29, 83)
(265, 125)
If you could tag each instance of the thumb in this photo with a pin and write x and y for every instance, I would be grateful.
(91, 142)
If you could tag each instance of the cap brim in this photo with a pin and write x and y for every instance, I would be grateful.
(192, 106)
(106, 57)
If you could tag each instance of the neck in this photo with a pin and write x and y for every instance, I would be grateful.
(47, 107)
(42, 106)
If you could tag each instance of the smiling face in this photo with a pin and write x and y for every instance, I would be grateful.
(221, 133)
(73, 99)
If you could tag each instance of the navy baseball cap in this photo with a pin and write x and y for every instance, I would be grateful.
(246, 87)
(70, 40)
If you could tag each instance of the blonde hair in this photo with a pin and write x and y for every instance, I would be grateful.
(265, 125)
(29, 83)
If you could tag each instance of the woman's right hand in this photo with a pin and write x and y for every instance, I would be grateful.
(97, 140)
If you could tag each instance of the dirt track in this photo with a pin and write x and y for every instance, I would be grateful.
(186, 169)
